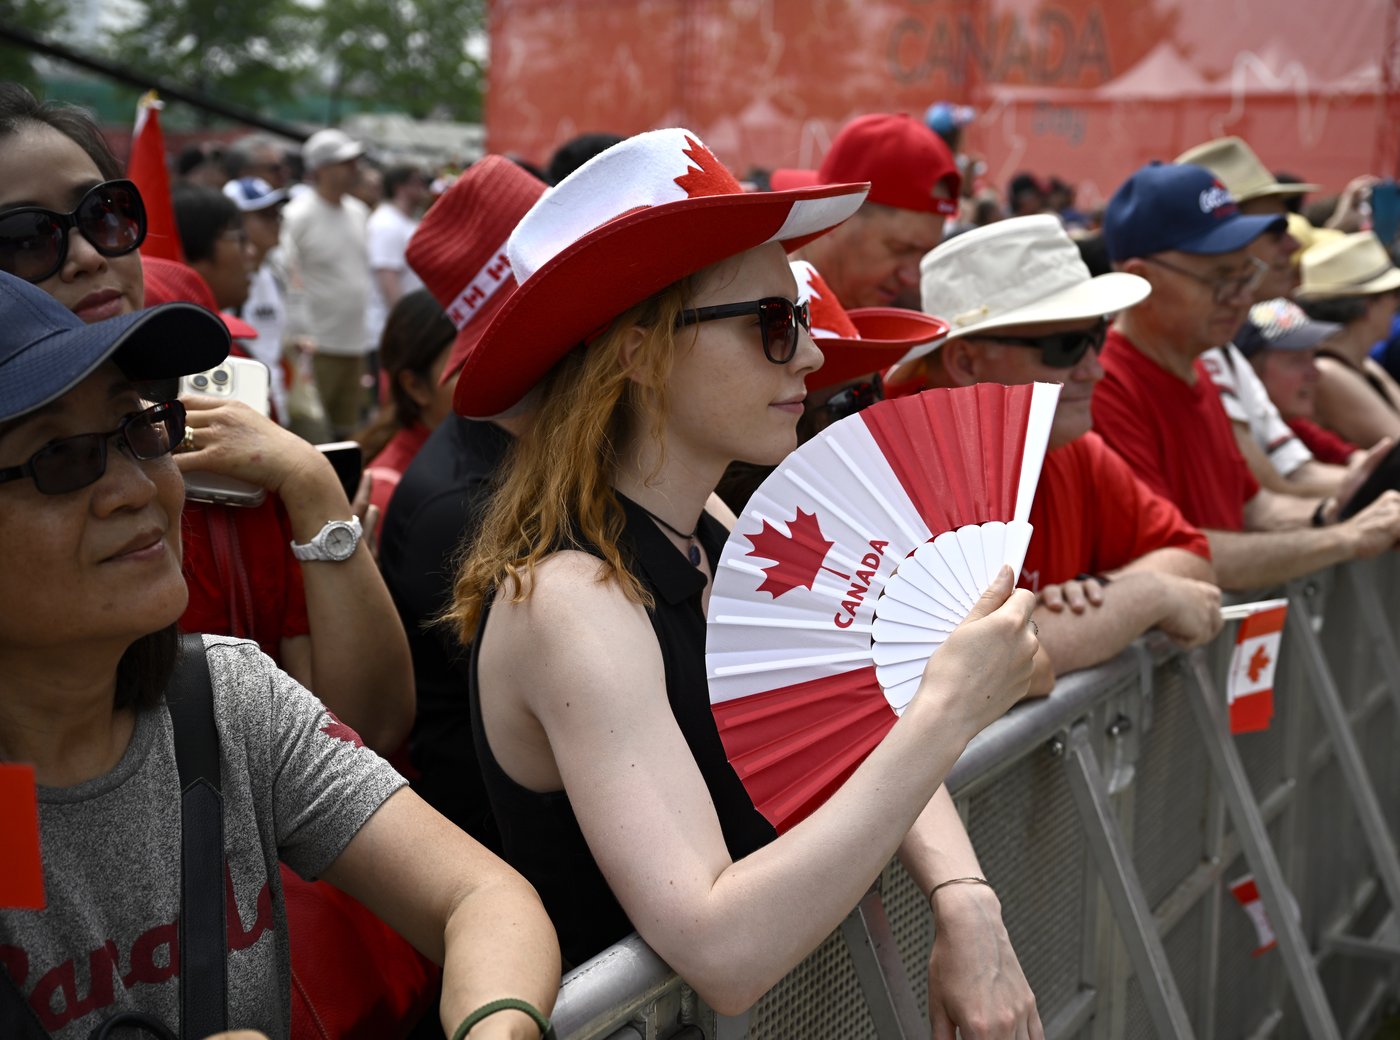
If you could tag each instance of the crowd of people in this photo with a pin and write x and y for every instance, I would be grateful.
(579, 375)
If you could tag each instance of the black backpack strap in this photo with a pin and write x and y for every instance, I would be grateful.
(203, 943)
(17, 1019)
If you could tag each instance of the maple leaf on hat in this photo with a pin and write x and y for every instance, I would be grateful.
(797, 555)
(340, 731)
(711, 178)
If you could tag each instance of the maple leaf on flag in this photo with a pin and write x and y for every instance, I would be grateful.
(711, 178)
(1258, 663)
(340, 731)
(797, 555)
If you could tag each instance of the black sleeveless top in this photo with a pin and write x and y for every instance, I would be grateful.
(540, 833)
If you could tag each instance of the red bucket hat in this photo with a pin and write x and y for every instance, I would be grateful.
(868, 339)
(170, 281)
(901, 158)
(459, 249)
(624, 225)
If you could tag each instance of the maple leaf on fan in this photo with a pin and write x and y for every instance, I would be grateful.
(797, 555)
(711, 178)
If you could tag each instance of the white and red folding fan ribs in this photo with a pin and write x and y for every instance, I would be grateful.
(850, 566)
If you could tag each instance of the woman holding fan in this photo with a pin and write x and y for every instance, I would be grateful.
(654, 338)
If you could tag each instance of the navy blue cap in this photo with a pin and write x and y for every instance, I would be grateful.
(1178, 206)
(46, 349)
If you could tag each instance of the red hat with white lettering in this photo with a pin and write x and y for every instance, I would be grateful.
(459, 249)
(867, 339)
(903, 160)
(629, 222)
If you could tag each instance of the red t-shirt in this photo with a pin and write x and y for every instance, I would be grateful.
(253, 589)
(1325, 445)
(1174, 435)
(387, 467)
(1091, 516)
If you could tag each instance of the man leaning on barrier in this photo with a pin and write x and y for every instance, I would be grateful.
(1110, 558)
(1179, 228)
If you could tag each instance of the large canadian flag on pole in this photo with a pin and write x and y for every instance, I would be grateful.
(147, 170)
(1250, 688)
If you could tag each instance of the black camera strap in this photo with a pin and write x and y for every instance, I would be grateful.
(203, 943)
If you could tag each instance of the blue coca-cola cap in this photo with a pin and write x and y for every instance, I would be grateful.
(1178, 206)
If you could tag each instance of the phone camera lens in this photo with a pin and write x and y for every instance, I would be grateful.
(200, 380)
(220, 376)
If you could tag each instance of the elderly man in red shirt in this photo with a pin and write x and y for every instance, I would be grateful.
(1110, 558)
(1179, 228)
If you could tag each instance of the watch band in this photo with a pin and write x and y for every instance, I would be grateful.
(334, 543)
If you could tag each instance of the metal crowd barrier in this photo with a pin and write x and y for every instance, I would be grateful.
(1111, 818)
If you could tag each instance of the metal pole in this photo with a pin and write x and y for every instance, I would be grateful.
(881, 973)
(1353, 766)
(1254, 839)
(1119, 876)
(168, 89)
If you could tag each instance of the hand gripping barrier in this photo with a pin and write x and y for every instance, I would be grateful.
(1112, 818)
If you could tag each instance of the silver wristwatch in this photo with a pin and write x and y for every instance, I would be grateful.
(335, 542)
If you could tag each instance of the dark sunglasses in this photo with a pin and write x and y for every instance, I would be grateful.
(70, 463)
(1059, 349)
(851, 400)
(778, 319)
(34, 240)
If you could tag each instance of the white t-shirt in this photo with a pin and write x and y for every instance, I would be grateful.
(1247, 401)
(328, 262)
(388, 233)
(266, 311)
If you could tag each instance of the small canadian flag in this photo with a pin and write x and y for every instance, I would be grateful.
(21, 866)
(1250, 689)
(1247, 892)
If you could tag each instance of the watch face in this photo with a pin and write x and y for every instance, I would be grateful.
(340, 542)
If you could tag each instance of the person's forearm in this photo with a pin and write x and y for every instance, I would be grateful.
(1132, 604)
(1316, 479)
(390, 285)
(937, 847)
(1259, 559)
(499, 943)
(360, 663)
(1181, 562)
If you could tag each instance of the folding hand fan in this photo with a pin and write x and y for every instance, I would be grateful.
(850, 566)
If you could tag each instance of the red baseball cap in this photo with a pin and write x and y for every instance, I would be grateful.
(901, 158)
(170, 281)
(867, 339)
(629, 222)
(459, 248)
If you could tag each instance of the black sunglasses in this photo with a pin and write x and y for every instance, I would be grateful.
(1059, 349)
(778, 318)
(34, 240)
(70, 463)
(851, 400)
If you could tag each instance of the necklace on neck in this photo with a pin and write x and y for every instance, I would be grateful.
(693, 552)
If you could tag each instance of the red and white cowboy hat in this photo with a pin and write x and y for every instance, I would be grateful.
(867, 339)
(459, 249)
(624, 225)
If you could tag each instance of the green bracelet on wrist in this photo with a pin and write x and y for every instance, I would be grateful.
(505, 1004)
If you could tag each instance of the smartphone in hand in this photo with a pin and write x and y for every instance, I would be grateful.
(347, 458)
(233, 379)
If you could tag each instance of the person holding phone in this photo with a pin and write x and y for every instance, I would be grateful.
(90, 590)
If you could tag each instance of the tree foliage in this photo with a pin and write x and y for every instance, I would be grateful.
(41, 17)
(409, 54)
(405, 55)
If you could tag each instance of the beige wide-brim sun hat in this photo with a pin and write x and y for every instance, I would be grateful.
(1354, 265)
(1240, 170)
(1022, 271)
